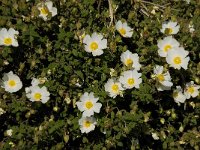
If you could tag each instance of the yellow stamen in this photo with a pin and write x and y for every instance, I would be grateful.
(94, 46)
(160, 77)
(87, 124)
(177, 60)
(115, 88)
(37, 96)
(167, 47)
(131, 81)
(168, 31)
(11, 83)
(44, 10)
(122, 31)
(191, 90)
(7, 41)
(88, 104)
(129, 62)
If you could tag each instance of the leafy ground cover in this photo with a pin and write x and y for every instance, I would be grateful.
(99, 74)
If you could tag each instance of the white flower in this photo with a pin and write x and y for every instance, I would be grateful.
(11, 82)
(191, 28)
(35, 82)
(95, 44)
(161, 87)
(167, 44)
(163, 79)
(130, 79)
(36, 93)
(112, 72)
(155, 136)
(47, 8)
(87, 124)
(130, 59)
(191, 90)
(42, 80)
(5, 62)
(170, 27)
(178, 58)
(9, 132)
(8, 37)
(2, 111)
(124, 29)
(88, 104)
(78, 84)
(178, 95)
(114, 88)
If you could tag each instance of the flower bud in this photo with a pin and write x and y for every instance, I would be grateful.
(66, 138)
(162, 120)
(55, 108)
(173, 115)
(28, 114)
(181, 128)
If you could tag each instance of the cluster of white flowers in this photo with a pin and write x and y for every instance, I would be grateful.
(177, 57)
(96, 43)
(128, 79)
(88, 105)
(169, 48)
(12, 83)
(190, 90)
(9, 37)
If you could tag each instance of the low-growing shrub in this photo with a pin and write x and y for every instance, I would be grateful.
(99, 74)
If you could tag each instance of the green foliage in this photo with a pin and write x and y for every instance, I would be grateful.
(57, 53)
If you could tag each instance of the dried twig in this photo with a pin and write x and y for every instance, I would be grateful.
(160, 6)
(99, 5)
(111, 12)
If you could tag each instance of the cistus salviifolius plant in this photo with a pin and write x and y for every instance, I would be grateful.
(99, 74)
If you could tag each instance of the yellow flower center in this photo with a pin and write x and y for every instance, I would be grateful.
(168, 31)
(88, 104)
(7, 41)
(131, 81)
(87, 124)
(115, 88)
(122, 31)
(160, 77)
(11, 83)
(175, 94)
(37, 96)
(191, 90)
(167, 47)
(177, 60)
(129, 62)
(94, 46)
(44, 10)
